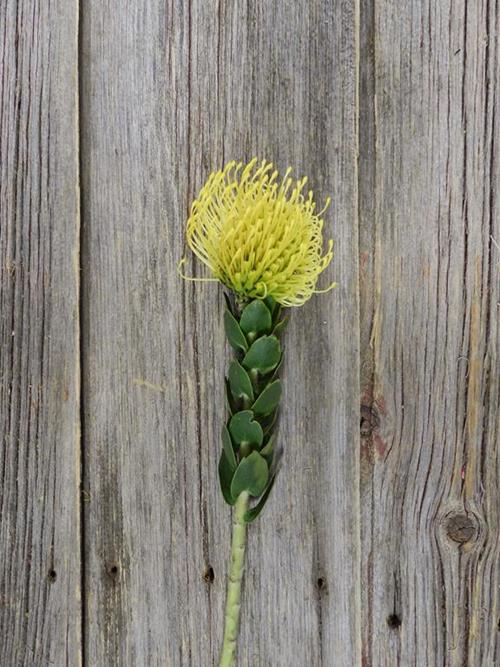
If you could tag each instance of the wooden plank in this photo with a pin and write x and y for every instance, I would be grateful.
(302, 608)
(39, 334)
(169, 93)
(430, 464)
(146, 442)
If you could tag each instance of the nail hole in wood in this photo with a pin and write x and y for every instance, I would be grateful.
(52, 575)
(321, 584)
(498, 625)
(113, 570)
(209, 575)
(393, 621)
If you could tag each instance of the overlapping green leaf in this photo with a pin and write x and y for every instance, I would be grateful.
(251, 475)
(253, 513)
(268, 399)
(227, 444)
(239, 381)
(234, 334)
(230, 402)
(226, 474)
(273, 306)
(264, 355)
(255, 319)
(244, 429)
(229, 305)
(280, 327)
(269, 422)
(268, 450)
(278, 367)
(249, 457)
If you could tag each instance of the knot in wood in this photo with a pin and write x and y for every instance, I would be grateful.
(461, 527)
(370, 420)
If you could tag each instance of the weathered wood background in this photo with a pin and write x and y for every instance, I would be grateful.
(381, 543)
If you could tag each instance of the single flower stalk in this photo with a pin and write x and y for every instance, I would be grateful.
(262, 239)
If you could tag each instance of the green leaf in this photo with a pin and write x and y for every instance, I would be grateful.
(240, 383)
(268, 450)
(226, 475)
(278, 367)
(227, 443)
(255, 319)
(244, 430)
(234, 334)
(277, 315)
(280, 326)
(251, 475)
(229, 305)
(272, 305)
(252, 514)
(274, 308)
(270, 421)
(268, 400)
(231, 406)
(264, 355)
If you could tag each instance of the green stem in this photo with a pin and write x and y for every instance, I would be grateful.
(233, 600)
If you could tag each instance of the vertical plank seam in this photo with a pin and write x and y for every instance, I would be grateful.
(489, 197)
(81, 333)
(368, 306)
(357, 476)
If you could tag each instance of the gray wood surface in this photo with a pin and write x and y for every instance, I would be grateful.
(187, 91)
(380, 543)
(430, 295)
(39, 335)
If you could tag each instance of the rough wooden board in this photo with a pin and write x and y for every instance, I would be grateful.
(145, 523)
(39, 335)
(434, 335)
(301, 597)
(168, 94)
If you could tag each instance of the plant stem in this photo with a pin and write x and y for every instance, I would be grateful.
(233, 600)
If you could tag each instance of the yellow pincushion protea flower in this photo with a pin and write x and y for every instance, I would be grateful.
(259, 237)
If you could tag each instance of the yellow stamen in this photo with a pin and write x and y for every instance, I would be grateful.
(258, 237)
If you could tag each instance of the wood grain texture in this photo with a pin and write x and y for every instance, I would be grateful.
(430, 456)
(169, 93)
(39, 335)
(301, 62)
(384, 552)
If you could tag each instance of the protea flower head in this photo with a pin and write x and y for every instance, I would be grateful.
(260, 237)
